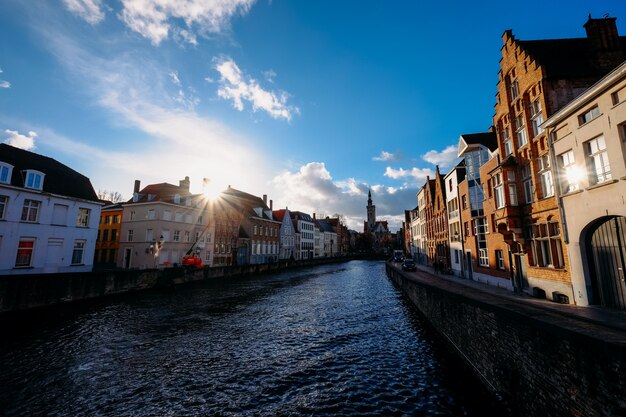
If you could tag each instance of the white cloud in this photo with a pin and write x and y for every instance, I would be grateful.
(385, 156)
(89, 10)
(444, 159)
(419, 174)
(311, 189)
(174, 77)
(18, 140)
(270, 75)
(235, 86)
(154, 19)
(3, 83)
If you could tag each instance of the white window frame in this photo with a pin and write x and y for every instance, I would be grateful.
(33, 179)
(545, 174)
(588, 115)
(520, 131)
(30, 249)
(508, 143)
(129, 235)
(30, 211)
(527, 182)
(567, 163)
(536, 117)
(4, 203)
(483, 257)
(82, 220)
(78, 252)
(598, 166)
(498, 190)
(6, 171)
(500, 259)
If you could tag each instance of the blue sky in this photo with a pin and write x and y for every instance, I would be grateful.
(312, 103)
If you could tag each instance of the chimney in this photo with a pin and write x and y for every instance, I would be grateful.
(272, 205)
(313, 216)
(604, 42)
(265, 199)
(184, 183)
(137, 184)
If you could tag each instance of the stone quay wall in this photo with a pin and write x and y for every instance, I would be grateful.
(538, 361)
(28, 291)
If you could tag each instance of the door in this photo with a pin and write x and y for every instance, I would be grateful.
(54, 255)
(127, 255)
(605, 252)
(468, 264)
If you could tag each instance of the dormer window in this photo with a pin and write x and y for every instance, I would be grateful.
(5, 173)
(177, 199)
(34, 179)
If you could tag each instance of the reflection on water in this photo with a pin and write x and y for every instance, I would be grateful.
(329, 340)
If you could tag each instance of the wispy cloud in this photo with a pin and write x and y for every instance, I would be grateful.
(386, 156)
(235, 86)
(419, 174)
(18, 140)
(444, 159)
(89, 10)
(3, 83)
(270, 75)
(156, 19)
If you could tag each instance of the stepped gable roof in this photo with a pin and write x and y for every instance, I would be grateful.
(566, 58)
(59, 178)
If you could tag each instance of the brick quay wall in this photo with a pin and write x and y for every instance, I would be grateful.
(25, 292)
(539, 361)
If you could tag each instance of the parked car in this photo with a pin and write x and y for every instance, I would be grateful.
(409, 265)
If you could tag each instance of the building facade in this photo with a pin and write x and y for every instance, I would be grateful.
(587, 142)
(48, 215)
(451, 181)
(109, 232)
(287, 247)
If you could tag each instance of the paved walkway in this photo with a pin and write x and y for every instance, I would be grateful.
(613, 319)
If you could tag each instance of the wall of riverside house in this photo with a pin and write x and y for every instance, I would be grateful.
(540, 364)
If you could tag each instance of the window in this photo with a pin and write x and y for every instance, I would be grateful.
(483, 258)
(149, 235)
(83, 217)
(179, 216)
(546, 249)
(24, 252)
(4, 201)
(598, 166)
(514, 89)
(520, 131)
(151, 214)
(187, 236)
(536, 117)
(132, 215)
(30, 211)
(512, 194)
(498, 190)
(546, 176)
(166, 235)
(5, 173)
(589, 115)
(77, 252)
(116, 219)
(200, 219)
(107, 219)
(506, 139)
(570, 174)
(464, 201)
(34, 179)
(527, 183)
(499, 259)
(129, 236)
(105, 235)
(167, 215)
(467, 228)
(176, 236)
(177, 199)
(113, 235)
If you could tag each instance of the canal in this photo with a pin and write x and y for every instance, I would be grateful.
(328, 340)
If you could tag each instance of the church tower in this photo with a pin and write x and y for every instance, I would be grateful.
(371, 212)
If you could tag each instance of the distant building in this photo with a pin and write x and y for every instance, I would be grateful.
(109, 232)
(287, 246)
(305, 238)
(451, 181)
(48, 215)
(379, 229)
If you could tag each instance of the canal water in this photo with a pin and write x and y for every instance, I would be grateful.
(329, 340)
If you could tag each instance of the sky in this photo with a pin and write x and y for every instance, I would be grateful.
(310, 102)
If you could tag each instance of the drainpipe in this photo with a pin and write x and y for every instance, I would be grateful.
(559, 192)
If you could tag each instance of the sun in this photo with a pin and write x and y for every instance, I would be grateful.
(210, 190)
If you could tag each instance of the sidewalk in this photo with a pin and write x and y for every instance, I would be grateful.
(612, 319)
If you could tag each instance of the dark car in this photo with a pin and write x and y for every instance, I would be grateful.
(409, 265)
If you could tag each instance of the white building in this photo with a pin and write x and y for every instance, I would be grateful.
(419, 239)
(303, 224)
(49, 215)
(162, 223)
(451, 180)
(588, 149)
(328, 238)
(287, 235)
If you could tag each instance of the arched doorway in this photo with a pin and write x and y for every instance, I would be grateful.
(605, 244)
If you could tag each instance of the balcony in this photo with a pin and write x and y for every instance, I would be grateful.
(453, 214)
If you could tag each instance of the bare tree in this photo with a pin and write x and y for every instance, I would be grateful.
(113, 196)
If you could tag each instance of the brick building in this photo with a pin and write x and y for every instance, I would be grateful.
(536, 79)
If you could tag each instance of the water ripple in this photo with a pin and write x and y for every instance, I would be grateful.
(323, 341)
